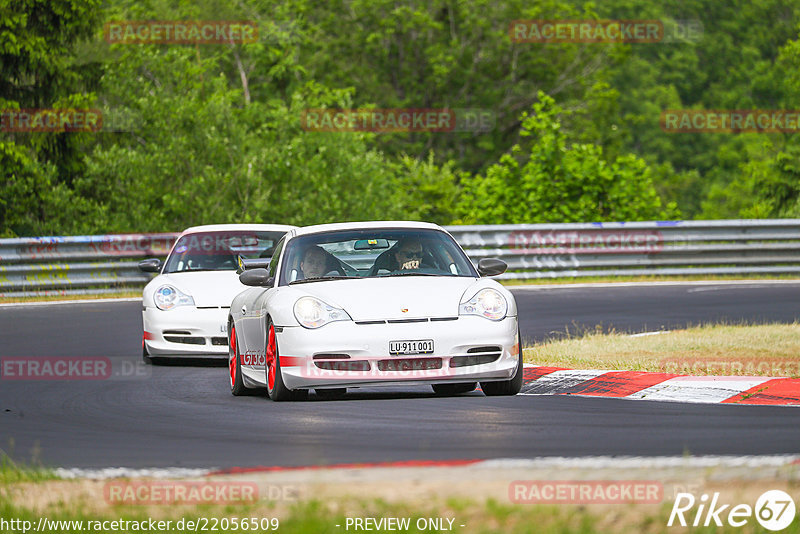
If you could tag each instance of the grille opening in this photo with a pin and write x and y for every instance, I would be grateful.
(479, 359)
(177, 332)
(395, 321)
(489, 348)
(186, 340)
(219, 341)
(444, 319)
(324, 356)
(381, 321)
(344, 365)
(410, 364)
(207, 307)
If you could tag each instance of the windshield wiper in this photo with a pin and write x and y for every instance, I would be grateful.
(412, 273)
(322, 278)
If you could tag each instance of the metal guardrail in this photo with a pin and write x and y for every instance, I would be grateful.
(108, 264)
(686, 248)
(77, 265)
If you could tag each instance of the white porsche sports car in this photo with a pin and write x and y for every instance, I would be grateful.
(185, 307)
(372, 304)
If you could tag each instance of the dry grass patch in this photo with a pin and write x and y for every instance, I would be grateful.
(758, 350)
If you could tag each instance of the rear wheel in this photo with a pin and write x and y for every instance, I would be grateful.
(235, 365)
(275, 387)
(507, 387)
(454, 389)
(334, 393)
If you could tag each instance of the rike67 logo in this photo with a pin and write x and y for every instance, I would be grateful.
(774, 510)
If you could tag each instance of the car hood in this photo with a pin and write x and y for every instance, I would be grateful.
(387, 297)
(208, 288)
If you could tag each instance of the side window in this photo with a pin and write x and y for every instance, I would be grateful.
(276, 256)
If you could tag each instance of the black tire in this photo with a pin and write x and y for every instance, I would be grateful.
(506, 387)
(447, 390)
(335, 393)
(235, 364)
(278, 390)
(146, 357)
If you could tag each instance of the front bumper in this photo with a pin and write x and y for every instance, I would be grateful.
(468, 349)
(186, 331)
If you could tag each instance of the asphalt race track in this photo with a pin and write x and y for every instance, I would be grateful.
(184, 416)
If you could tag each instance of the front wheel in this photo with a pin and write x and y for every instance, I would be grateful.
(507, 387)
(276, 389)
(235, 365)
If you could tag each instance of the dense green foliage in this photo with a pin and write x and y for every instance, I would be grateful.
(211, 133)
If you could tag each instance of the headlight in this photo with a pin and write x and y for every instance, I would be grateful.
(167, 297)
(313, 313)
(487, 303)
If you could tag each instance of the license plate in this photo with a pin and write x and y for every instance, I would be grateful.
(418, 346)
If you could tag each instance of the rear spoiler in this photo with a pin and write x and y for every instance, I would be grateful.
(253, 263)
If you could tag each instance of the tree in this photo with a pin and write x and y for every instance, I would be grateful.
(554, 181)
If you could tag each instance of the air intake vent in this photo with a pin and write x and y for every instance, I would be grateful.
(177, 333)
(479, 359)
(219, 341)
(186, 340)
(490, 348)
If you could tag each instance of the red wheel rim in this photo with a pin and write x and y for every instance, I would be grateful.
(232, 357)
(271, 355)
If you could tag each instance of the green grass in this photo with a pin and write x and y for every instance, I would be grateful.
(12, 473)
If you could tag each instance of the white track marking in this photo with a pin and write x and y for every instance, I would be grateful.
(550, 383)
(642, 334)
(700, 389)
(124, 472)
(632, 462)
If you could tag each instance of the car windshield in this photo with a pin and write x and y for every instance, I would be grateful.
(219, 251)
(373, 253)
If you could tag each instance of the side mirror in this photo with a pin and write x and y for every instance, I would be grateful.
(257, 278)
(491, 267)
(150, 265)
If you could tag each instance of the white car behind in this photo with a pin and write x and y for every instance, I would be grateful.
(185, 307)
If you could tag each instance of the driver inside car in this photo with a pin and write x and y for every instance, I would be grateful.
(409, 254)
(314, 262)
